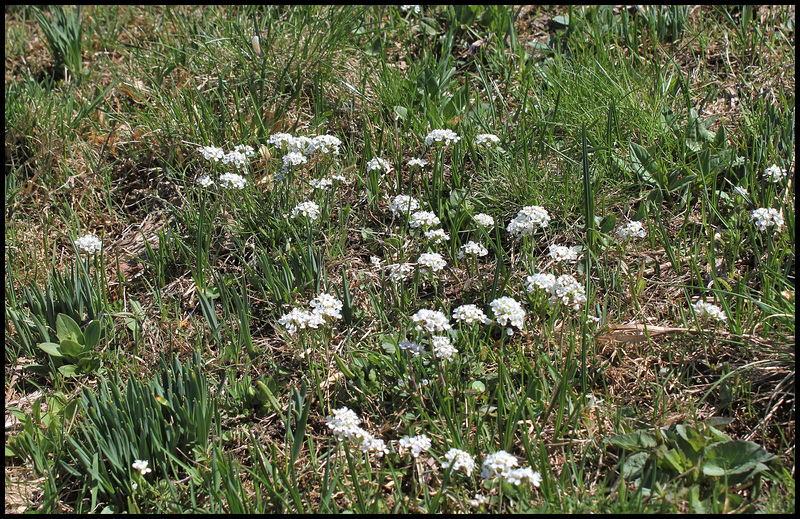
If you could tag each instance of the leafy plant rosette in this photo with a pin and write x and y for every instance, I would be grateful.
(75, 353)
(704, 461)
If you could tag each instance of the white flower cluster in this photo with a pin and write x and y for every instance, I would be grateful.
(417, 9)
(529, 219)
(631, 230)
(141, 466)
(470, 314)
(442, 347)
(344, 424)
(437, 235)
(417, 162)
(205, 181)
(300, 319)
(324, 144)
(705, 310)
(507, 311)
(416, 444)
(291, 159)
(309, 210)
(327, 306)
(484, 220)
(403, 204)
(560, 253)
(324, 305)
(423, 219)
(447, 136)
(379, 163)
(232, 181)
(502, 464)
(432, 261)
(89, 244)
(459, 460)
(767, 217)
(563, 288)
(212, 153)
(412, 347)
(472, 248)
(486, 139)
(430, 321)
(325, 182)
(399, 271)
(774, 173)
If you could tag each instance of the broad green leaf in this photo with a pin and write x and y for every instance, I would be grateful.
(92, 334)
(68, 370)
(634, 464)
(51, 348)
(733, 457)
(675, 460)
(71, 348)
(608, 223)
(644, 165)
(634, 441)
(68, 329)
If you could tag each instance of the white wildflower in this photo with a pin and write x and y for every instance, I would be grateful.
(447, 136)
(430, 321)
(486, 139)
(403, 204)
(423, 219)
(416, 444)
(528, 220)
(432, 261)
(232, 181)
(459, 460)
(470, 314)
(306, 209)
(705, 310)
(774, 173)
(508, 311)
(472, 248)
(631, 230)
(89, 244)
(767, 217)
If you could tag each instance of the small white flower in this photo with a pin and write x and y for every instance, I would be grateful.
(205, 181)
(470, 314)
(567, 290)
(560, 253)
(399, 271)
(212, 153)
(423, 219)
(486, 139)
(442, 347)
(484, 220)
(767, 217)
(321, 183)
(300, 319)
(141, 466)
(543, 281)
(299, 144)
(416, 444)
(498, 464)
(447, 136)
(232, 181)
(459, 460)
(327, 305)
(324, 144)
(256, 46)
(507, 311)
(417, 9)
(472, 248)
(309, 210)
(631, 230)
(432, 261)
(344, 423)
(478, 501)
(412, 347)
(517, 476)
(705, 310)
(280, 140)
(417, 162)
(375, 261)
(528, 220)
(403, 204)
(89, 244)
(430, 321)
(774, 173)
(371, 444)
(293, 158)
(238, 158)
(436, 235)
(379, 163)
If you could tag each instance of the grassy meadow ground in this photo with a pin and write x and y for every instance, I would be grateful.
(638, 153)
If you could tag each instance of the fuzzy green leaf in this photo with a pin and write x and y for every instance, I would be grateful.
(51, 348)
(68, 329)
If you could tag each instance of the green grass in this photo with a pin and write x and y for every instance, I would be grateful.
(629, 402)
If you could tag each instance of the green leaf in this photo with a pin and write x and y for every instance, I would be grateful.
(633, 441)
(734, 457)
(51, 348)
(68, 329)
(92, 334)
(634, 464)
(608, 223)
(644, 165)
(68, 370)
(71, 348)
